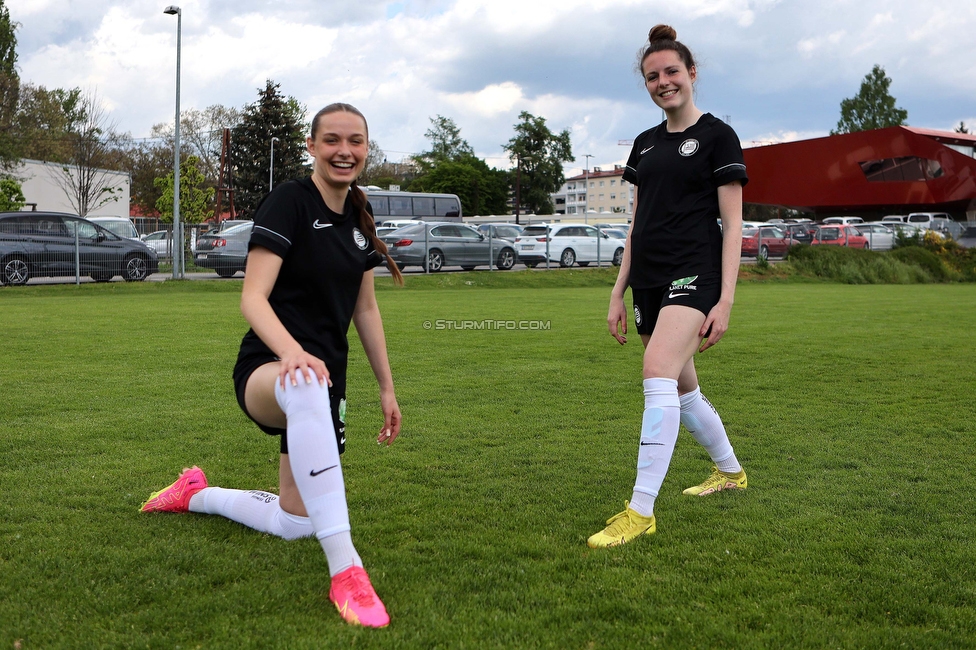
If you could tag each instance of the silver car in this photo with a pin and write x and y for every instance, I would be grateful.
(880, 236)
(447, 244)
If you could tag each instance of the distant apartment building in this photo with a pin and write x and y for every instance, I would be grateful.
(600, 191)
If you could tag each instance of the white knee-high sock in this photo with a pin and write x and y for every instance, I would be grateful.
(659, 431)
(253, 508)
(703, 421)
(314, 458)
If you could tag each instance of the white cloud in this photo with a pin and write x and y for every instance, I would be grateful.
(780, 68)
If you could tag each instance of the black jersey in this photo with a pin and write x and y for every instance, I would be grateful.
(675, 233)
(324, 256)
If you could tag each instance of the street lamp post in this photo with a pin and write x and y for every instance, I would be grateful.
(178, 244)
(586, 187)
(271, 170)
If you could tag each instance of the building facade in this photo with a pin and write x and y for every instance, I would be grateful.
(896, 170)
(598, 192)
(44, 183)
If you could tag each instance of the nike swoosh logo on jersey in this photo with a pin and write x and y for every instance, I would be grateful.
(675, 295)
(320, 226)
(646, 150)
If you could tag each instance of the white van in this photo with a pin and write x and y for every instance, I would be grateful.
(925, 219)
(117, 226)
(844, 220)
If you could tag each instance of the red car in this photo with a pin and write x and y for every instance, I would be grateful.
(839, 235)
(765, 241)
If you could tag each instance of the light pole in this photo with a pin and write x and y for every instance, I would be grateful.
(271, 171)
(178, 264)
(586, 186)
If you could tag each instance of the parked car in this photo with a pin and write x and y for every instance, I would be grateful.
(397, 223)
(765, 241)
(894, 218)
(42, 244)
(880, 236)
(844, 220)
(448, 244)
(225, 252)
(925, 219)
(948, 227)
(159, 241)
(385, 230)
(568, 244)
(800, 233)
(615, 233)
(119, 225)
(839, 235)
(227, 224)
(907, 230)
(506, 231)
(968, 238)
(615, 226)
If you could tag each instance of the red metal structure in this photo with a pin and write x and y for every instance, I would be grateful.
(896, 170)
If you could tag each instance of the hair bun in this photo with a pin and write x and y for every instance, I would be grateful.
(662, 33)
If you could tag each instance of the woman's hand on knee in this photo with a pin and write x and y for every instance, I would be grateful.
(302, 366)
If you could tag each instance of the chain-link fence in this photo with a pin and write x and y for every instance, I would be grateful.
(37, 245)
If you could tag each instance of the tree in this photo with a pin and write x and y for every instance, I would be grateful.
(11, 195)
(374, 163)
(872, 108)
(48, 121)
(540, 153)
(446, 143)
(482, 190)
(9, 87)
(201, 135)
(962, 128)
(195, 194)
(272, 115)
(83, 176)
(145, 161)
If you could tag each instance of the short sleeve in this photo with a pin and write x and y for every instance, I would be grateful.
(728, 164)
(276, 218)
(630, 171)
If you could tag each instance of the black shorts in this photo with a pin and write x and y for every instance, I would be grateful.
(242, 372)
(698, 291)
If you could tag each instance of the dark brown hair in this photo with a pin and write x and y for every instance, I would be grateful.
(366, 223)
(663, 37)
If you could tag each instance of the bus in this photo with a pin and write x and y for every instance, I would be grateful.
(417, 206)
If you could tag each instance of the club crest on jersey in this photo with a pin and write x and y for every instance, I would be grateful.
(688, 147)
(359, 238)
(637, 315)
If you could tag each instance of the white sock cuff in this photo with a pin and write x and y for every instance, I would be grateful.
(688, 399)
(661, 392)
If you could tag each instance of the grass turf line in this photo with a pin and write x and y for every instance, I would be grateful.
(848, 405)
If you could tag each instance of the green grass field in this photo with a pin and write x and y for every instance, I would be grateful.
(851, 407)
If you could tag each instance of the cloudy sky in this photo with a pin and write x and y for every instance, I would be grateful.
(777, 68)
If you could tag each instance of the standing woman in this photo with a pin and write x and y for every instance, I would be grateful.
(688, 171)
(309, 273)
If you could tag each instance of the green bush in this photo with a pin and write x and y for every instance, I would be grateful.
(909, 265)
